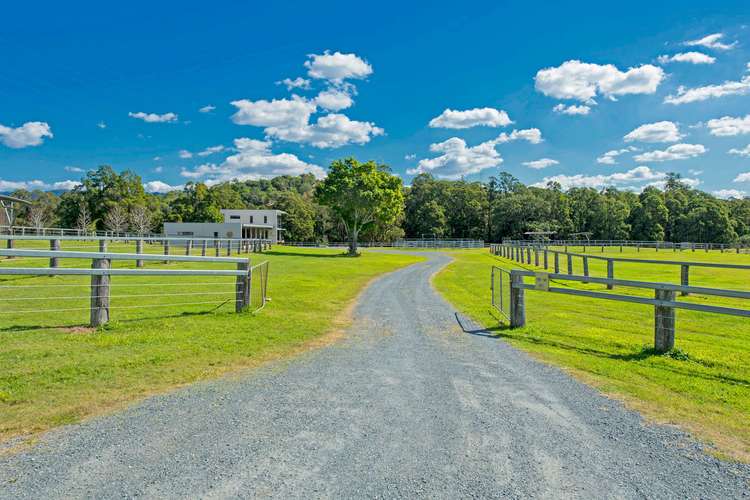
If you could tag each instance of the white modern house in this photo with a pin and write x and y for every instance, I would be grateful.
(245, 224)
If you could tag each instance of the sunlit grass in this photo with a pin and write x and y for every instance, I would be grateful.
(54, 370)
(704, 385)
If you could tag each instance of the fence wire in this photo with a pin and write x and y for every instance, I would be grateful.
(500, 288)
(259, 286)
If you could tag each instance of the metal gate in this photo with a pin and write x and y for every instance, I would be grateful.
(259, 286)
(500, 287)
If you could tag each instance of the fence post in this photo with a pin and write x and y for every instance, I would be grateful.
(11, 242)
(546, 259)
(54, 245)
(102, 246)
(610, 273)
(188, 247)
(517, 301)
(229, 248)
(664, 322)
(204, 247)
(684, 277)
(585, 267)
(139, 249)
(536, 257)
(166, 250)
(243, 287)
(570, 264)
(217, 247)
(557, 263)
(99, 294)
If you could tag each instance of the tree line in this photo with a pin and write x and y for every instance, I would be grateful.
(322, 211)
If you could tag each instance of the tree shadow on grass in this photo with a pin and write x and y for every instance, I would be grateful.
(312, 255)
(28, 328)
(645, 353)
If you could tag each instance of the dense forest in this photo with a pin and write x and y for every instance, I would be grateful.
(500, 208)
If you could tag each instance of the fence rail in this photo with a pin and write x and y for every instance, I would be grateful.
(402, 243)
(665, 299)
(101, 272)
(657, 245)
(541, 258)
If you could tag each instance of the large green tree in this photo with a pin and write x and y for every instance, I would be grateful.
(361, 195)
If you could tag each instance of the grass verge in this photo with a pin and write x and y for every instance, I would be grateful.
(702, 386)
(55, 371)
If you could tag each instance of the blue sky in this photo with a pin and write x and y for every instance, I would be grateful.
(189, 91)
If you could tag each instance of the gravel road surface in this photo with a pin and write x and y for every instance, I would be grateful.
(414, 402)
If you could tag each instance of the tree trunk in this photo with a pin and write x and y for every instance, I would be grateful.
(353, 243)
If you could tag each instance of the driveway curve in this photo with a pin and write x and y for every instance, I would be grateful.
(416, 401)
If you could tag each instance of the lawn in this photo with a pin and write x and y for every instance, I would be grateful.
(171, 331)
(703, 386)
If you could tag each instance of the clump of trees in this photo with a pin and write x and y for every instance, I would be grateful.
(365, 202)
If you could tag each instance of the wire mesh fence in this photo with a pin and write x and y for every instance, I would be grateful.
(500, 288)
(66, 301)
(258, 286)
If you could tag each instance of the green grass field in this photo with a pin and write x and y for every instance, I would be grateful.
(703, 386)
(171, 331)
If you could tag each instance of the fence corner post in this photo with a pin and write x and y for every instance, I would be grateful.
(664, 322)
(684, 277)
(243, 286)
(102, 246)
(139, 250)
(517, 301)
(54, 245)
(99, 294)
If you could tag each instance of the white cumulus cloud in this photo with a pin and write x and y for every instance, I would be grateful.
(673, 152)
(685, 95)
(743, 177)
(541, 163)
(740, 152)
(28, 134)
(212, 150)
(66, 185)
(584, 81)
(294, 112)
(610, 157)
(297, 83)
(476, 117)
(329, 131)
(337, 67)
(664, 131)
(730, 193)
(729, 126)
(637, 175)
(711, 42)
(253, 160)
(153, 117)
(457, 160)
(334, 99)
(532, 135)
(161, 187)
(573, 109)
(185, 154)
(207, 109)
(688, 57)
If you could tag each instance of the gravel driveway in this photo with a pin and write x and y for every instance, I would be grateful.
(415, 402)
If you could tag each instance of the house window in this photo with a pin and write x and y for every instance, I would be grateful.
(265, 219)
(251, 219)
(216, 234)
(234, 217)
(185, 233)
